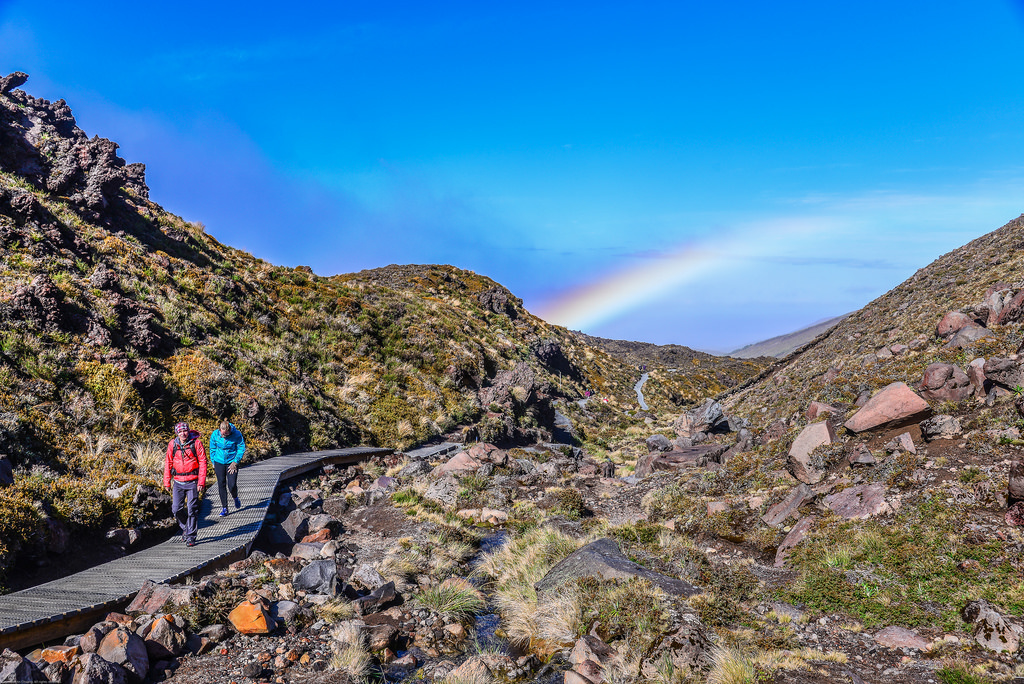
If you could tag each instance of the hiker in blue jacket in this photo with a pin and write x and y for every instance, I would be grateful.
(227, 446)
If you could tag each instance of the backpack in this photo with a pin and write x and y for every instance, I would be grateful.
(178, 448)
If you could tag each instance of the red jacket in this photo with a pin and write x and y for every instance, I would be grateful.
(188, 461)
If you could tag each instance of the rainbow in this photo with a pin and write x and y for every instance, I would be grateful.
(624, 289)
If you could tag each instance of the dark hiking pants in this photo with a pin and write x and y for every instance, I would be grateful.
(185, 507)
(225, 482)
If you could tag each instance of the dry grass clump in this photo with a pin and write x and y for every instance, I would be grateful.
(455, 597)
(733, 666)
(148, 458)
(544, 623)
(350, 654)
(336, 610)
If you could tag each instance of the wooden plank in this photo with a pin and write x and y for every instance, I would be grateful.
(61, 607)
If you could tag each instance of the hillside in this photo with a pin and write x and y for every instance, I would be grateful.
(782, 345)
(120, 319)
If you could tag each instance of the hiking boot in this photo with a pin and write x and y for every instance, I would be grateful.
(223, 511)
(238, 504)
(190, 542)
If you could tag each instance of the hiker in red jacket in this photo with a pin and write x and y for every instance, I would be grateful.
(186, 464)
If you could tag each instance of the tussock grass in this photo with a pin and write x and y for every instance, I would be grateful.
(455, 596)
(733, 666)
(148, 458)
(543, 625)
(349, 651)
(336, 610)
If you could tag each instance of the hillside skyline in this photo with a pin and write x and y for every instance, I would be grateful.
(684, 175)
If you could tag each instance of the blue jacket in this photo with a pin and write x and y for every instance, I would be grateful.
(227, 450)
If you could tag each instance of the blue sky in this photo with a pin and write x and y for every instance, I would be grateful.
(813, 154)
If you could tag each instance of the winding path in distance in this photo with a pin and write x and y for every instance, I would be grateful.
(639, 387)
(74, 603)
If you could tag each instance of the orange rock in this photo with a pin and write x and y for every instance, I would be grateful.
(249, 618)
(322, 537)
(55, 654)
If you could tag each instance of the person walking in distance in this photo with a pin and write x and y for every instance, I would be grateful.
(227, 446)
(185, 476)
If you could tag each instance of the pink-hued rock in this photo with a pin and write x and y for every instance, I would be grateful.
(817, 409)
(900, 637)
(899, 349)
(894, 405)
(717, 507)
(795, 536)
(859, 503)
(800, 463)
(153, 598)
(778, 513)
(1015, 515)
(945, 382)
(952, 323)
(907, 442)
(459, 464)
(1013, 309)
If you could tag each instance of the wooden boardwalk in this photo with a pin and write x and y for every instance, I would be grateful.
(73, 603)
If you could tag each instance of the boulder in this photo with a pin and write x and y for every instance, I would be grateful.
(296, 525)
(1007, 373)
(968, 336)
(321, 537)
(319, 577)
(679, 459)
(941, 427)
(155, 598)
(123, 647)
(902, 442)
(6, 471)
(952, 323)
(216, 633)
(1016, 481)
(445, 491)
(778, 513)
(321, 521)
(163, 638)
(859, 503)
(976, 374)
(590, 647)
(368, 577)
(376, 601)
(13, 80)
(603, 559)
(991, 630)
(796, 535)
(285, 611)
(459, 464)
(945, 382)
(62, 654)
(92, 669)
(307, 500)
(801, 462)
(307, 550)
(900, 637)
(251, 618)
(658, 443)
(14, 668)
(816, 409)
(90, 641)
(1015, 515)
(706, 418)
(895, 405)
(689, 649)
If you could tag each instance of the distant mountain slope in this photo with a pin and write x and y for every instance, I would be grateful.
(693, 374)
(856, 355)
(778, 347)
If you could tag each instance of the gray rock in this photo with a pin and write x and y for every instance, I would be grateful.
(1006, 373)
(320, 576)
(658, 443)
(296, 525)
(444, 491)
(216, 633)
(967, 336)
(603, 559)
(307, 551)
(415, 468)
(6, 471)
(679, 459)
(367, 576)
(991, 630)
(940, 427)
(92, 669)
(379, 598)
(285, 611)
(708, 417)
(320, 521)
(14, 668)
(1016, 482)
(12, 80)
